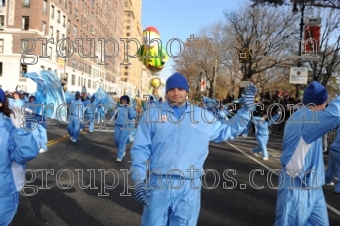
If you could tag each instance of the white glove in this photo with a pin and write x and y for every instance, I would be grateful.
(17, 117)
(29, 110)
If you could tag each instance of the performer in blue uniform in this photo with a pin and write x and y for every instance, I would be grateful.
(151, 103)
(334, 163)
(177, 146)
(39, 133)
(123, 126)
(17, 147)
(300, 198)
(262, 132)
(76, 117)
(15, 100)
(91, 109)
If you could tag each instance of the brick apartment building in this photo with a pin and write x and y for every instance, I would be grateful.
(88, 24)
(131, 71)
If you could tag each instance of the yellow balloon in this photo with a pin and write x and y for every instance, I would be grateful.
(155, 82)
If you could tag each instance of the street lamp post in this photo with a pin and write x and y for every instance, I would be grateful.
(295, 11)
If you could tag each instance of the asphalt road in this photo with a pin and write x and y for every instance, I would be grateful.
(69, 188)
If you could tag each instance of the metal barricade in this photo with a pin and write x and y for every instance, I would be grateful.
(327, 140)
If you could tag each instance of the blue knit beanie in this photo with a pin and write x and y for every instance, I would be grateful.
(176, 81)
(125, 97)
(2, 96)
(315, 93)
(77, 93)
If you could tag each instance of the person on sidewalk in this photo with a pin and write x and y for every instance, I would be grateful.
(262, 133)
(334, 163)
(300, 198)
(124, 114)
(179, 145)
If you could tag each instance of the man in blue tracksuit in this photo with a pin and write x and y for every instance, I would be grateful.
(76, 117)
(262, 133)
(174, 140)
(17, 146)
(39, 133)
(300, 199)
(334, 163)
(123, 126)
(91, 109)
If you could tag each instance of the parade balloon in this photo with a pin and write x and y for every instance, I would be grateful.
(152, 53)
(155, 82)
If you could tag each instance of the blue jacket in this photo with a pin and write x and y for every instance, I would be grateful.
(178, 146)
(37, 117)
(91, 107)
(335, 146)
(261, 125)
(14, 103)
(77, 108)
(302, 141)
(148, 105)
(124, 115)
(17, 147)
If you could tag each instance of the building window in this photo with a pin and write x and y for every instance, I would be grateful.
(2, 22)
(1, 46)
(51, 31)
(25, 22)
(70, 7)
(74, 63)
(65, 5)
(23, 69)
(68, 26)
(58, 36)
(73, 80)
(51, 53)
(44, 28)
(64, 21)
(0, 68)
(89, 84)
(45, 6)
(76, 15)
(26, 3)
(3, 3)
(58, 19)
(52, 12)
(75, 30)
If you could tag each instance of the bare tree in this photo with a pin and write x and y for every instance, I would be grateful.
(335, 4)
(261, 33)
(329, 60)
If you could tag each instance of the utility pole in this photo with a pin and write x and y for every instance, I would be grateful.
(214, 79)
(295, 10)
